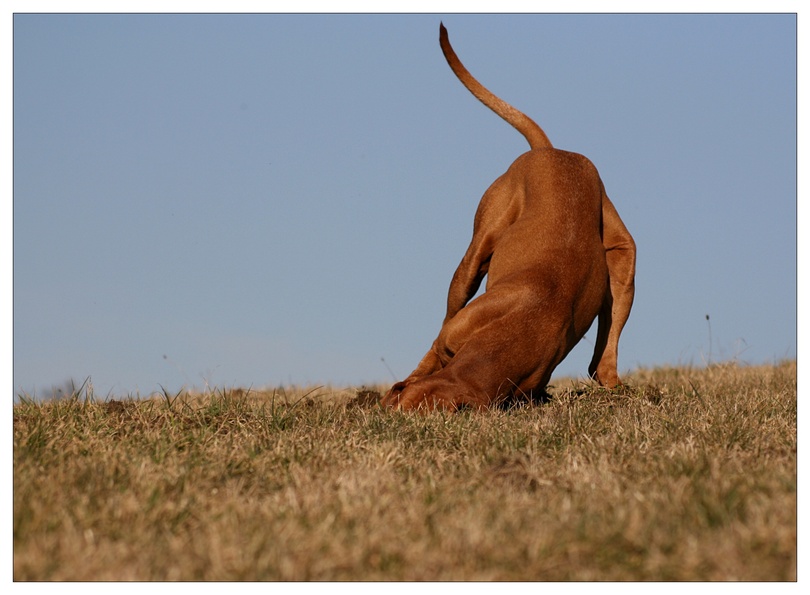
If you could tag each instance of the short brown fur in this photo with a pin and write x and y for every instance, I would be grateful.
(556, 256)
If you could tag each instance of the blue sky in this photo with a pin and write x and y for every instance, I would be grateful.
(239, 200)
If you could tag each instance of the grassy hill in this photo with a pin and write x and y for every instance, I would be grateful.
(687, 474)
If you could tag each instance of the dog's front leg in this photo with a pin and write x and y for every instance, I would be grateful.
(496, 212)
(466, 280)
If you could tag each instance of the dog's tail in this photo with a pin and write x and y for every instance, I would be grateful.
(522, 123)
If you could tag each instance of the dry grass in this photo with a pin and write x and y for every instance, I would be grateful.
(688, 475)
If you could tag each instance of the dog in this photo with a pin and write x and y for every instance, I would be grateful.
(556, 256)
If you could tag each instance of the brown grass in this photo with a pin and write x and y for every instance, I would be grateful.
(690, 474)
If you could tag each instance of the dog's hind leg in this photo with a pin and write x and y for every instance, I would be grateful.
(620, 252)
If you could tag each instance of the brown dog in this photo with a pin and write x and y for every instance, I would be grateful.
(556, 255)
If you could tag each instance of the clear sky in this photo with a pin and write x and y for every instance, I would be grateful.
(237, 200)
